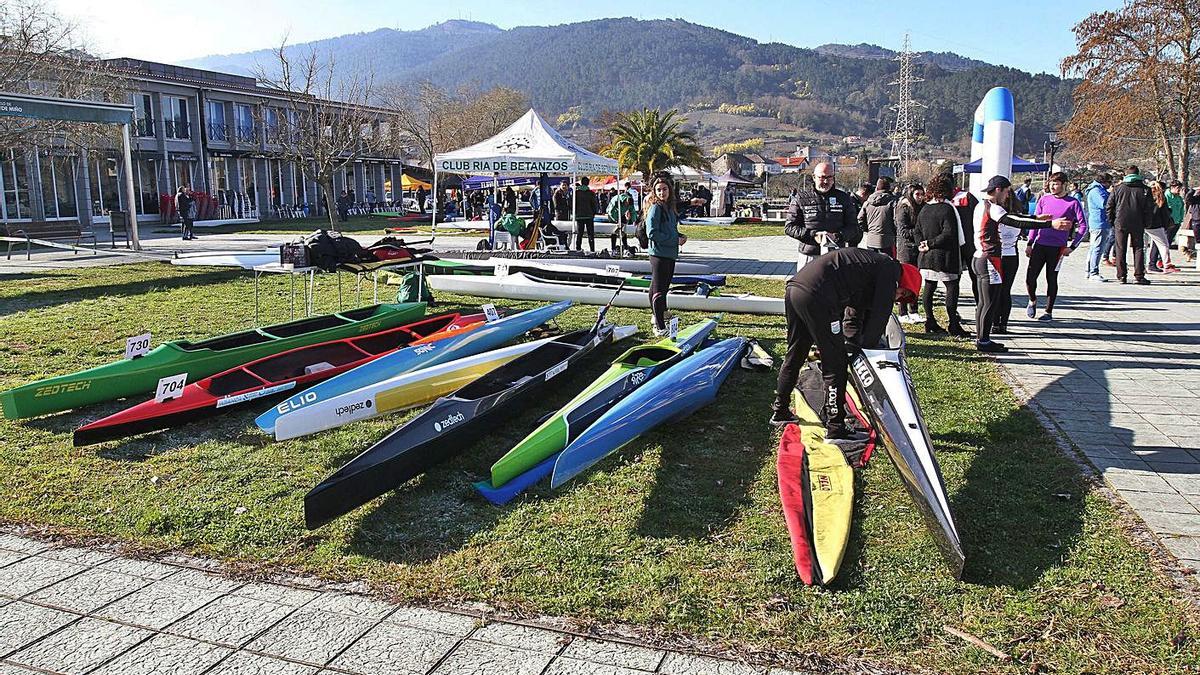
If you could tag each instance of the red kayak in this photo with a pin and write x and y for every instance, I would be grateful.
(272, 375)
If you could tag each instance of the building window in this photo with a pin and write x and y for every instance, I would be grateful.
(14, 180)
(181, 173)
(217, 131)
(220, 174)
(243, 119)
(272, 119)
(175, 117)
(246, 169)
(146, 175)
(106, 196)
(58, 186)
(143, 116)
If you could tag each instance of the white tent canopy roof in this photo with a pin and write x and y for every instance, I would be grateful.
(528, 147)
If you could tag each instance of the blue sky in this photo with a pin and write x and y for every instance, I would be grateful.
(1032, 36)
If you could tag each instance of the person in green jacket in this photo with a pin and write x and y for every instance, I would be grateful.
(662, 231)
(622, 211)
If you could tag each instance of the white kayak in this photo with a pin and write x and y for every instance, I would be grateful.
(244, 259)
(396, 393)
(630, 265)
(881, 378)
(523, 286)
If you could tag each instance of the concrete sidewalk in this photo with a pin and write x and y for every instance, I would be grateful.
(1118, 372)
(74, 611)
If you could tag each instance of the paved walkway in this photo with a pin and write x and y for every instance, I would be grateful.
(1118, 371)
(74, 611)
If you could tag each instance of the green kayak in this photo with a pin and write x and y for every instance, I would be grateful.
(198, 359)
(628, 372)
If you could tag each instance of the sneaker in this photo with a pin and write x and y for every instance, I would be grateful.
(958, 332)
(1142, 282)
(1122, 280)
(904, 318)
(1031, 309)
(934, 329)
(1000, 330)
(783, 415)
(1047, 316)
(1158, 266)
(1170, 269)
(990, 347)
(1096, 277)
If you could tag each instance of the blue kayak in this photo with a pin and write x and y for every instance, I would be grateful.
(681, 390)
(485, 338)
(707, 279)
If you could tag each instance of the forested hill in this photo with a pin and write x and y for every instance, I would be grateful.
(619, 64)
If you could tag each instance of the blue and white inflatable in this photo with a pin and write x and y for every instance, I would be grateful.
(992, 138)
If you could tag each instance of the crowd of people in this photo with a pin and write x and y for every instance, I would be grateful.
(948, 233)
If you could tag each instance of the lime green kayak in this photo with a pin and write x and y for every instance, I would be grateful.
(627, 373)
(198, 359)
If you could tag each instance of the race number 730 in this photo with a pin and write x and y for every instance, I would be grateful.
(137, 345)
(170, 387)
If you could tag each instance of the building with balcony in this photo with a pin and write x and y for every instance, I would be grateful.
(208, 130)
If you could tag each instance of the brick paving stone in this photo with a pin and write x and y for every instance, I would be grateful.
(163, 655)
(351, 604)
(22, 544)
(158, 605)
(32, 574)
(148, 569)
(6, 669)
(230, 620)
(311, 636)
(432, 619)
(1140, 481)
(614, 653)
(1184, 548)
(206, 580)
(9, 557)
(485, 658)
(521, 637)
(277, 593)
(90, 590)
(79, 556)
(80, 647)
(392, 649)
(247, 663)
(22, 623)
(677, 663)
(565, 666)
(1177, 524)
(1151, 501)
(1185, 484)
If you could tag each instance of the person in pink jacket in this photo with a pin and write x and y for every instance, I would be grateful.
(1048, 248)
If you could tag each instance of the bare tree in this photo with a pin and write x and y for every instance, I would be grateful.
(434, 120)
(1140, 66)
(327, 123)
(43, 54)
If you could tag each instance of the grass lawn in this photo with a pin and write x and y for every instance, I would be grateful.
(680, 532)
(713, 232)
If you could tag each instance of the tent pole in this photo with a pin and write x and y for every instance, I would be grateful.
(433, 224)
(491, 221)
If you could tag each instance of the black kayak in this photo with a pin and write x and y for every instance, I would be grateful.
(447, 427)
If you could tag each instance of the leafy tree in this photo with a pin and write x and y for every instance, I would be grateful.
(647, 140)
(1141, 71)
(435, 120)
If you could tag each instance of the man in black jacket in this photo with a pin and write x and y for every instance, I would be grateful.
(1130, 208)
(586, 208)
(824, 211)
(844, 296)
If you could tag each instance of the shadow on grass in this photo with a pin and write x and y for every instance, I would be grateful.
(710, 460)
(39, 299)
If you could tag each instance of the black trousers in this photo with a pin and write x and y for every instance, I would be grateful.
(986, 270)
(1136, 238)
(186, 228)
(1043, 256)
(969, 266)
(590, 226)
(619, 232)
(661, 271)
(809, 323)
(951, 302)
(1008, 270)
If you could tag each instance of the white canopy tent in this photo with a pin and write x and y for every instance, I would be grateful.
(528, 147)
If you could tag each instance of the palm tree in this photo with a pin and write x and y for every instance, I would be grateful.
(647, 140)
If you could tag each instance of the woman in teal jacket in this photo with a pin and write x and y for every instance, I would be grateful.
(662, 231)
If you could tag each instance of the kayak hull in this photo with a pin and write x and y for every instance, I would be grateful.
(479, 339)
(881, 379)
(266, 377)
(139, 375)
(520, 286)
(679, 391)
(398, 393)
(816, 490)
(628, 372)
(446, 428)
